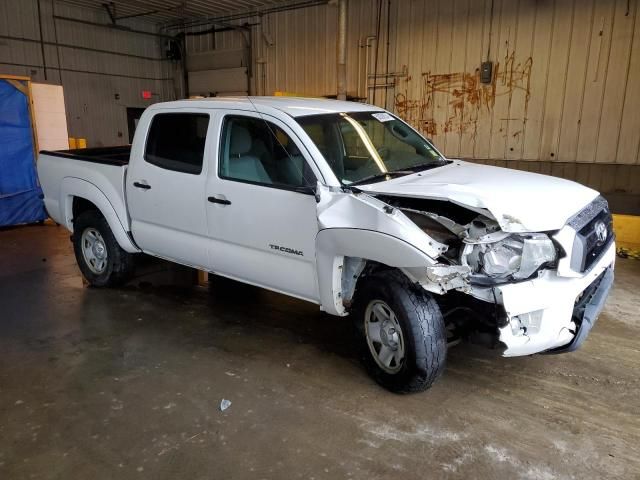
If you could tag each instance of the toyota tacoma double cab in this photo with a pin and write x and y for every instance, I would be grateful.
(347, 206)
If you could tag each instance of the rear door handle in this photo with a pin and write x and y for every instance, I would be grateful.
(141, 185)
(221, 201)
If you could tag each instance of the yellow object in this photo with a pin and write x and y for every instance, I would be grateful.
(72, 143)
(627, 229)
(82, 143)
(293, 94)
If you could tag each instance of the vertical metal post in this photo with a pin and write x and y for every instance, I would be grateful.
(44, 59)
(342, 50)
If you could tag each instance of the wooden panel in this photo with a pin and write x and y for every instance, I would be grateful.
(424, 100)
(456, 99)
(615, 83)
(541, 55)
(471, 78)
(486, 93)
(556, 78)
(583, 16)
(50, 116)
(440, 82)
(629, 141)
(595, 79)
(520, 78)
(558, 51)
(504, 71)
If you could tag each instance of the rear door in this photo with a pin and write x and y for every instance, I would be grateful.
(261, 211)
(166, 185)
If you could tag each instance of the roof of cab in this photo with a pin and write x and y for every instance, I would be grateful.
(293, 106)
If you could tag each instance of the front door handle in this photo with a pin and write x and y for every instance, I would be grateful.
(219, 200)
(141, 185)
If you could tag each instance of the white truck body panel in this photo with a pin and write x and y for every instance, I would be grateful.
(63, 179)
(519, 201)
(553, 303)
(168, 220)
(244, 235)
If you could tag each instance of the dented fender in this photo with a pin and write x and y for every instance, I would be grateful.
(360, 226)
(334, 245)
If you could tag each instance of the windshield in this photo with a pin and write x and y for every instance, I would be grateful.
(366, 147)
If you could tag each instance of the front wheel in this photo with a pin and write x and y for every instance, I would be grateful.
(101, 260)
(401, 331)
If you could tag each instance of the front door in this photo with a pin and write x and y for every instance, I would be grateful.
(166, 189)
(261, 212)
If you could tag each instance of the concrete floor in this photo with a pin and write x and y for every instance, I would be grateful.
(126, 383)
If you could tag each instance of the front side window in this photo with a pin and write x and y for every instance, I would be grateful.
(369, 146)
(257, 151)
(176, 141)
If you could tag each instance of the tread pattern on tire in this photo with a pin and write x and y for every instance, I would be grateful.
(121, 263)
(429, 333)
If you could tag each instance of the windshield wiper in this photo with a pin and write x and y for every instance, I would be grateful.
(377, 176)
(426, 165)
(404, 171)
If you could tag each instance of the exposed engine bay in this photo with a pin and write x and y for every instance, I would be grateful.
(486, 255)
(477, 257)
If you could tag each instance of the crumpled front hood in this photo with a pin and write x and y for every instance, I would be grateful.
(519, 201)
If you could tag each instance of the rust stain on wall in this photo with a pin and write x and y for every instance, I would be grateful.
(456, 102)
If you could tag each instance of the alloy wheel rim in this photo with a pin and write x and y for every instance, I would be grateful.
(384, 336)
(94, 250)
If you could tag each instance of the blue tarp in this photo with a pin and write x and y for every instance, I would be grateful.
(20, 192)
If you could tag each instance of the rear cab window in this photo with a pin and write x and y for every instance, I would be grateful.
(176, 141)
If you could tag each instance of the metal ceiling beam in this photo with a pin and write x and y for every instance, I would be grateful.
(152, 12)
(170, 12)
(112, 26)
(203, 21)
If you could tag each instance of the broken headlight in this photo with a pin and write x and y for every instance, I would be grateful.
(515, 256)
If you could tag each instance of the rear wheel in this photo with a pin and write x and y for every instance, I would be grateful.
(101, 260)
(401, 331)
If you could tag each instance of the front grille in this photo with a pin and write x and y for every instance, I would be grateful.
(594, 234)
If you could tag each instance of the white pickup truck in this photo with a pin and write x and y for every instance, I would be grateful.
(344, 205)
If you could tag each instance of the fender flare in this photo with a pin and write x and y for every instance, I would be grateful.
(334, 244)
(75, 187)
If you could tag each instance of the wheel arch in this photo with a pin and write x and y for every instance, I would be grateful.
(80, 195)
(343, 254)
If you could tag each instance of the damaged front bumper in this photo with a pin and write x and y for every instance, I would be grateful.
(553, 313)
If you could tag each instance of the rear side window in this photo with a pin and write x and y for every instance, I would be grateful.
(176, 141)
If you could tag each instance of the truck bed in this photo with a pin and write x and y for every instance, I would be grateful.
(94, 173)
(107, 155)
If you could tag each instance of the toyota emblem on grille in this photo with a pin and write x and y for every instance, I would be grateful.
(601, 232)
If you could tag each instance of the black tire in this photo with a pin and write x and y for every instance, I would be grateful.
(119, 264)
(422, 329)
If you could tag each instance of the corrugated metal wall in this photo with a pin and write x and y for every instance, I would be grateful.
(108, 63)
(564, 97)
(566, 78)
(566, 86)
